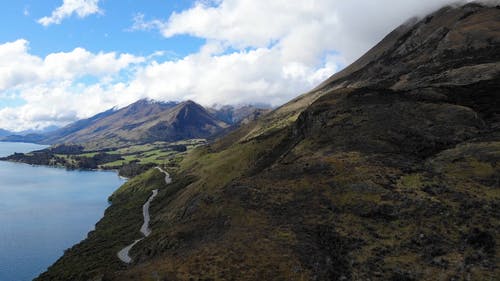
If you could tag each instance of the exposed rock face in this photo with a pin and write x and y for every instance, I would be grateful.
(387, 171)
(430, 85)
(448, 48)
(387, 121)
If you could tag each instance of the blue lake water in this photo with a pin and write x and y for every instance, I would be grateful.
(44, 211)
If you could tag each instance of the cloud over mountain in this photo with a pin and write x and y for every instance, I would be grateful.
(254, 51)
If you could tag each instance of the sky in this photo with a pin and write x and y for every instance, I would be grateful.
(64, 60)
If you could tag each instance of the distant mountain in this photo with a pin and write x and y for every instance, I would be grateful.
(32, 138)
(236, 114)
(4, 133)
(41, 131)
(186, 120)
(141, 122)
(27, 135)
(59, 135)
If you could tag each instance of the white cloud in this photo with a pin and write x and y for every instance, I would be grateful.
(256, 51)
(304, 30)
(140, 24)
(239, 77)
(82, 8)
(61, 102)
(53, 96)
(26, 11)
(50, 87)
(18, 67)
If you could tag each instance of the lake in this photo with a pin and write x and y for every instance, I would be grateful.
(44, 211)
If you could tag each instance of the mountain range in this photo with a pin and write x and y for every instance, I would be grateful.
(4, 133)
(389, 170)
(31, 135)
(144, 121)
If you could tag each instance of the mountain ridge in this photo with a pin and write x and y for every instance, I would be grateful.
(388, 171)
(4, 133)
(144, 121)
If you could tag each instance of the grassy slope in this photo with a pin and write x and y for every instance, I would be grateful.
(302, 204)
(343, 184)
(323, 209)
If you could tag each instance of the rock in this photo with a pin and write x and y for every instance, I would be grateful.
(481, 240)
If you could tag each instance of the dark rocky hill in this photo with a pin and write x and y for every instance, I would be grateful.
(389, 170)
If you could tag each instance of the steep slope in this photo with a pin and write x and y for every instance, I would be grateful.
(141, 122)
(451, 46)
(387, 171)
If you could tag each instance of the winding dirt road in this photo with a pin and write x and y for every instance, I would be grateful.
(123, 254)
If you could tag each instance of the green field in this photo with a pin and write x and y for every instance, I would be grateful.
(130, 160)
(153, 153)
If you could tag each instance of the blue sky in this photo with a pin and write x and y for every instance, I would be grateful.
(64, 60)
(99, 32)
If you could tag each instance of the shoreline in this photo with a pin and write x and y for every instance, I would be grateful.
(60, 207)
(2, 159)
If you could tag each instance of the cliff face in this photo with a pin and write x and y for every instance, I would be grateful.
(450, 47)
(389, 170)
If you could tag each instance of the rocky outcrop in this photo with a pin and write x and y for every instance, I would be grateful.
(447, 48)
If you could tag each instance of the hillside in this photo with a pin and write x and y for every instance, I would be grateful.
(389, 170)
